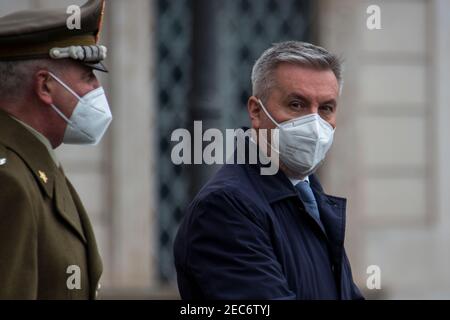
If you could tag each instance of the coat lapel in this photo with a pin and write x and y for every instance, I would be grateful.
(332, 213)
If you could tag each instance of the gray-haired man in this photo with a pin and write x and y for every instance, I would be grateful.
(253, 236)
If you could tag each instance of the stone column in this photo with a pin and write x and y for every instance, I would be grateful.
(133, 141)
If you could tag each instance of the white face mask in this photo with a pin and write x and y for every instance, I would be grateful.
(302, 143)
(90, 118)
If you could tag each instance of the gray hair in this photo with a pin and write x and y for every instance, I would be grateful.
(16, 76)
(295, 52)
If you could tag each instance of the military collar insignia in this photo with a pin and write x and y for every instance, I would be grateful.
(43, 176)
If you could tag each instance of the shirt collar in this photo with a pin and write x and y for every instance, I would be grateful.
(296, 181)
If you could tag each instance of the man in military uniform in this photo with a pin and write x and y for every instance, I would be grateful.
(49, 95)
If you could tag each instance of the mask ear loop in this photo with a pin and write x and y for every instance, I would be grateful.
(69, 122)
(267, 113)
(59, 112)
(65, 86)
(62, 115)
(74, 93)
(273, 120)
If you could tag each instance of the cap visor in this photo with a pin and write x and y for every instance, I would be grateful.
(97, 66)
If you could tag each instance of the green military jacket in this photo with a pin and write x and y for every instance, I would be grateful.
(47, 245)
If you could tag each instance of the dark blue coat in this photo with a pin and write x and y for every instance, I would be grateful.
(247, 236)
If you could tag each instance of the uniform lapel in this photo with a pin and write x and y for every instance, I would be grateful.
(36, 156)
(66, 207)
(94, 259)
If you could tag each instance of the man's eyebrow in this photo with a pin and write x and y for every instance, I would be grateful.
(299, 96)
(296, 95)
(331, 101)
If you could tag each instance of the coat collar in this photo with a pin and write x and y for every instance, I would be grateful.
(35, 154)
(332, 209)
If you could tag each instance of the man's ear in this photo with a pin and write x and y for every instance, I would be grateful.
(43, 86)
(254, 111)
